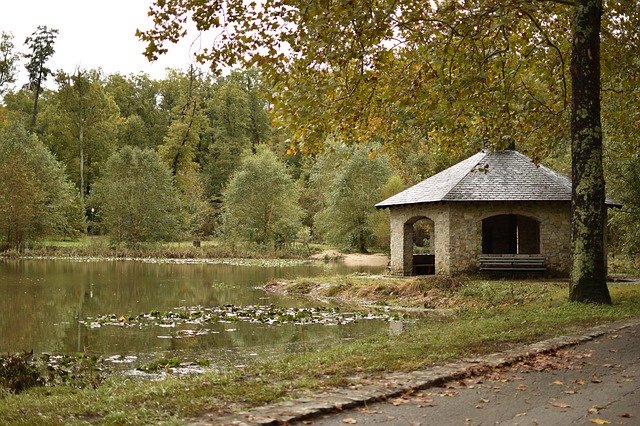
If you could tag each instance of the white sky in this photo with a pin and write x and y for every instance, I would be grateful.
(93, 34)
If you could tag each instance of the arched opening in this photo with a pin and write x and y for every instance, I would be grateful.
(419, 255)
(510, 234)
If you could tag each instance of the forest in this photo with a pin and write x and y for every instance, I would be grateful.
(282, 150)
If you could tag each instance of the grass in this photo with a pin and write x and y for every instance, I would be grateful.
(99, 246)
(489, 316)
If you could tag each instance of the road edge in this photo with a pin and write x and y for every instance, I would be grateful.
(396, 384)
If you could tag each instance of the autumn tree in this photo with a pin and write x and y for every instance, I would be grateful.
(135, 198)
(36, 199)
(40, 45)
(362, 69)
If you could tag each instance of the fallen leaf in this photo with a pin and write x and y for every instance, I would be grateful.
(479, 406)
(570, 392)
(626, 415)
(580, 382)
(593, 410)
(349, 421)
(521, 387)
(483, 400)
(599, 421)
(558, 382)
(595, 379)
(560, 405)
(614, 336)
(521, 414)
(428, 404)
(613, 350)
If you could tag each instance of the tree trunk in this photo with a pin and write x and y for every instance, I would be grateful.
(36, 96)
(588, 211)
(81, 137)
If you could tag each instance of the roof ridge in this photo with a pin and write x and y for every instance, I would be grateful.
(465, 175)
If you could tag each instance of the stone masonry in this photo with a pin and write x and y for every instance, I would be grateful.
(457, 233)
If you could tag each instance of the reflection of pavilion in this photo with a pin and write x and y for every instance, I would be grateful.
(493, 203)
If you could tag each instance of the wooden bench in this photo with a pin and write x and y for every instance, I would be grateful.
(424, 264)
(511, 263)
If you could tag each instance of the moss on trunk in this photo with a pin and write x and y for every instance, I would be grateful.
(588, 211)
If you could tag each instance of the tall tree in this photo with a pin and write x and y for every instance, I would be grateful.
(261, 200)
(8, 62)
(588, 211)
(363, 68)
(81, 125)
(180, 149)
(135, 198)
(144, 122)
(36, 199)
(355, 187)
(40, 45)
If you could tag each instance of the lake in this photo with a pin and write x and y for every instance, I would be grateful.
(50, 306)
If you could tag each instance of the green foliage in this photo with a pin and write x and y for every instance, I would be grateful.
(261, 200)
(36, 199)
(80, 125)
(144, 121)
(17, 374)
(19, 371)
(40, 45)
(135, 198)
(348, 217)
(238, 121)
(180, 150)
(8, 62)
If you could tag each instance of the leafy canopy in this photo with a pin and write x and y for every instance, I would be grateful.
(135, 198)
(36, 199)
(261, 200)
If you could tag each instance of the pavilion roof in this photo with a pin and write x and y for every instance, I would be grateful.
(489, 176)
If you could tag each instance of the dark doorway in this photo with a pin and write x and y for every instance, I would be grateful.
(421, 235)
(510, 234)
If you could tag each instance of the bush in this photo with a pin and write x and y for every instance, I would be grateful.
(17, 373)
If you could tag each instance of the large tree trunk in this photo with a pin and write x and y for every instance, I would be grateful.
(588, 211)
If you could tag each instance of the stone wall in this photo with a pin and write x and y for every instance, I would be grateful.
(458, 229)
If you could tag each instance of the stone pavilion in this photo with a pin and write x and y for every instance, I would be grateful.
(497, 203)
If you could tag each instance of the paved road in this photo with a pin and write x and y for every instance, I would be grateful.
(597, 382)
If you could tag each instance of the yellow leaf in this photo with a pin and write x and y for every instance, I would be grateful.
(600, 421)
(349, 421)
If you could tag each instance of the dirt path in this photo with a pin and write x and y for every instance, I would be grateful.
(353, 259)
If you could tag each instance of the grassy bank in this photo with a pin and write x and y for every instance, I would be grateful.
(484, 316)
(101, 247)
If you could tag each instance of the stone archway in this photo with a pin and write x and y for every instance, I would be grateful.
(510, 234)
(415, 261)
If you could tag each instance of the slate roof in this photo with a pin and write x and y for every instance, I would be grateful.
(489, 176)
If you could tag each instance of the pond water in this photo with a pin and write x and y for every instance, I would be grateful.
(50, 306)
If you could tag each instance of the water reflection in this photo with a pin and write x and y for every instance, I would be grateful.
(42, 301)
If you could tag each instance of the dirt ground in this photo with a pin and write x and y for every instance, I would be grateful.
(353, 259)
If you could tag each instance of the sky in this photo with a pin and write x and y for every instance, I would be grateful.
(93, 34)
